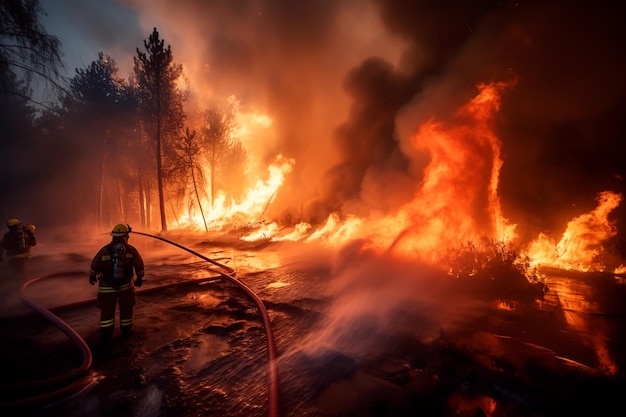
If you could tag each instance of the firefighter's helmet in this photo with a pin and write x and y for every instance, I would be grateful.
(13, 222)
(31, 227)
(120, 230)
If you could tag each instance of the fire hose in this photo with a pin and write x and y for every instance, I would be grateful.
(76, 379)
(273, 395)
(81, 378)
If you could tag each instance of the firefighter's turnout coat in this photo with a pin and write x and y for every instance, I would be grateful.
(17, 243)
(115, 265)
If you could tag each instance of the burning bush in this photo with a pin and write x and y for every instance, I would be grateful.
(494, 270)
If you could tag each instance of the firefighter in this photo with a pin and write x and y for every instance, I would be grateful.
(114, 267)
(17, 242)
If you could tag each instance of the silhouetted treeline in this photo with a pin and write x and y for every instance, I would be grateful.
(111, 149)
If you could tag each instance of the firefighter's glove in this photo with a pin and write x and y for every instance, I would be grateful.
(92, 279)
(139, 282)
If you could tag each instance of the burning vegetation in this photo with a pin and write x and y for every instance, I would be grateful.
(461, 165)
(497, 272)
(437, 148)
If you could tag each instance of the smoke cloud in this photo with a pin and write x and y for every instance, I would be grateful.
(378, 300)
(346, 83)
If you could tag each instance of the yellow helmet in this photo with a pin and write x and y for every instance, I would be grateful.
(120, 230)
(13, 222)
(31, 227)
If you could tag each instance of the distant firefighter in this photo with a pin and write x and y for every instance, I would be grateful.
(17, 242)
(114, 266)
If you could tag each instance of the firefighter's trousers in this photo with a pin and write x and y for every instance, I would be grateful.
(108, 298)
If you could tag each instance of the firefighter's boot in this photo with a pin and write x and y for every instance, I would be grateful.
(106, 334)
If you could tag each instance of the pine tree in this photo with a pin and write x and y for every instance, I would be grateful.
(161, 104)
(102, 103)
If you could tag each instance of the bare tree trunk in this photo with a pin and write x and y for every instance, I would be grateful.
(120, 200)
(160, 184)
(173, 212)
(142, 203)
(212, 185)
(101, 194)
(159, 162)
(148, 206)
(195, 188)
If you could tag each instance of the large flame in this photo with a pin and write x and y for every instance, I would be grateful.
(458, 199)
(581, 245)
(456, 202)
(223, 213)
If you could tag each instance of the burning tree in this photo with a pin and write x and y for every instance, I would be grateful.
(190, 155)
(234, 175)
(219, 147)
(214, 134)
(161, 103)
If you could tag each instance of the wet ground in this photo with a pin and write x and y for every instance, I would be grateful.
(382, 341)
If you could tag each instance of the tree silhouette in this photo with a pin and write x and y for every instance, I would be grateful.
(160, 101)
(234, 174)
(16, 149)
(215, 140)
(98, 85)
(191, 151)
(103, 104)
(26, 49)
(27, 54)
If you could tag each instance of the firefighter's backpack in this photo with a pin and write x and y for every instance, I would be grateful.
(21, 240)
(118, 257)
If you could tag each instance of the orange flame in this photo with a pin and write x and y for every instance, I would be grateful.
(457, 201)
(458, 198)
(251, 207)
(581, 244)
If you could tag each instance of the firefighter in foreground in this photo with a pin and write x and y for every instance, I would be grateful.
(17, 242)
(114, 267)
